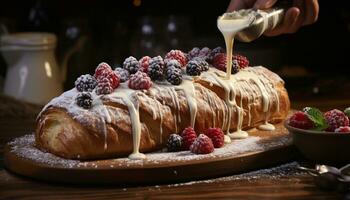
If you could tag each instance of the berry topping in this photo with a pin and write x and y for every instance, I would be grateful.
(174, 75)
(131, 64)
(139, 81)
(193, 68)
(300, 120)
(235, 67)
(84, 100)
(204, 64)
(102, 68)
(177, 55)
(156, 67)
(144, 63)
(343, 129)
(193, 53)
(202, 145)
(243, 62)
(335, 119)
(205, 53)
(189, 136)
(174, 143)
(85, 83)
(111, 77)
(214, 52)
(172, 63)
(122, 74)
(104, 86)
(216, 135)
(219, 61)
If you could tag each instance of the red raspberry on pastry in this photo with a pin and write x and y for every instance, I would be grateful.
(242, 61)
(140, 81)
(111, 76)
(102, 68)
(219, 61)
(144, 63)
(104, 87)
(216, 135)
(189, 136)
(335, 119)
(202, 145)
(177, 55)
(300, 120)
(343, 129)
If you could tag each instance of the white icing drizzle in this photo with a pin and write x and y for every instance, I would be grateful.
(187, 86)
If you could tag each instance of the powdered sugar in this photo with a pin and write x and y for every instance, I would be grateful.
(24, 147)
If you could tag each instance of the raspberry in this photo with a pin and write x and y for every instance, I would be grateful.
(84, 100)
(335, 119)
(156, 67)
(131, 64)
(172, 63)
(193, 53)
(193, 68)
(205, 53)
(202, 145)
(140, 81)
(177, 55)
(189, 136)
(219, 61)
(300, 120)
(85, 83)
(174, 75)
(243, 62)
(101, 68)
(174, 142)
(144, 63)
(216, 135)
(204, 64)
(343, 129)
(111, 76)
(104, 87)
(214, 52)
(122, 74)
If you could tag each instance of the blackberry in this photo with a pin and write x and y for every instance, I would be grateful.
(193, 68)
(174, 75)
(193, 53)
(84, 100)
(235, 67)
(123, 74)
(172, 63)
(85, 83)
(156, 68)
(131, 64)
(174, 143)
(204, 52)
(204, 64)
(214, 52)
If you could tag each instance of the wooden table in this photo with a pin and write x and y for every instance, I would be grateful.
(251, 186)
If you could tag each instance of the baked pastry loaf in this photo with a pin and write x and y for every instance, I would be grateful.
(129, 120)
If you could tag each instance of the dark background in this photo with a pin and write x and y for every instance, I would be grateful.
(313, 61)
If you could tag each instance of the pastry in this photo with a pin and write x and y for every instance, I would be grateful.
(129, 121)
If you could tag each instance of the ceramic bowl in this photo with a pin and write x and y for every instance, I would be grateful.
(321, 146)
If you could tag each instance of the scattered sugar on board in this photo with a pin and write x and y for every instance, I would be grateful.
(24, 147)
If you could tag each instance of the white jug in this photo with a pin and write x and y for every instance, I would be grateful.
(33, 74)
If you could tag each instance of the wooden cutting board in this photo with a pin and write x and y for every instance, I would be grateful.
(261, 149)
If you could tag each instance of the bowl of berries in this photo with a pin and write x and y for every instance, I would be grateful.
(321, 137)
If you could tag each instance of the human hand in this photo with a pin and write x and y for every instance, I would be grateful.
(303, 12)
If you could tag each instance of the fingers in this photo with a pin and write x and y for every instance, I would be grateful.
(290, 23)
(311, 11)
(264, 4)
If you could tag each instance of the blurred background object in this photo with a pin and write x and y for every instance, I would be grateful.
(313, 62)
